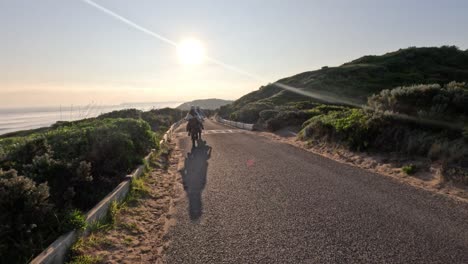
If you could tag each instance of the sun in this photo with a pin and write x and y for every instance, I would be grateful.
(190, 52)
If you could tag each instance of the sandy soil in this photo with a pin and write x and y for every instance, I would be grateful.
(427, 177)
(139, 233)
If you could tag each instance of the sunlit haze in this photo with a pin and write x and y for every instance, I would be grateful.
(57, 52)
(191, 51)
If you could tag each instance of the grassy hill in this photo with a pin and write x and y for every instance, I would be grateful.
(355, 81)
(210, 104)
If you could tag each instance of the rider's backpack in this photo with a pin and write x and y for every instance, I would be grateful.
(193, 123)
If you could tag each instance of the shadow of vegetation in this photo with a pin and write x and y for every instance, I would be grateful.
(194, 177)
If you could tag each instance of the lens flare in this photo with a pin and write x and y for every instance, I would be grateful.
(191, 52)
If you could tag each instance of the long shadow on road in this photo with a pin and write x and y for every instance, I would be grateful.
(194, 177)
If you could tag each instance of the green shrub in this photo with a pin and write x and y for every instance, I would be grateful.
(19, 151)
(322, 109)
(294, 114)
(75, 158)
(73, 165)
(288, 118)
(62, 177)
(433, 102)
(363, 131)
(74, 220)
(409, 169)
(268, 114)
(302, 105)
(162, 119)
(250, 112)
(126, 113)
(26, 217)
(158, 119)
(350, 127)
(225, 110)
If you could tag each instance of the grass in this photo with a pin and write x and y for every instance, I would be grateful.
(109, 222)
(97, 226)
(95, 238)
(85, 259)
(128, 240)
(75, 220)
(410, 169)
(130, 226)
(114, 208)
(138, 190)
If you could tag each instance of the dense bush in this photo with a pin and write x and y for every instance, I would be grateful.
(125, 113)
(386, 127)
(158, 119)
(225, 110)
(251, 112)
(75, 157)
(268, 114)
(363, 130)
(350, 127)
(66, 169)
(289, 115)
(24, 209)
(288, 118)
(449, 103)
(302, 105)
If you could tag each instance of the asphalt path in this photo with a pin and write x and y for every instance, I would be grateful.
(249, 199)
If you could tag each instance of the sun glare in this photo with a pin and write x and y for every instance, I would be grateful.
(190, 52)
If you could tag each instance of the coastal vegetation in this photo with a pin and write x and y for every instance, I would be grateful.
(50, 177)
(355, 81)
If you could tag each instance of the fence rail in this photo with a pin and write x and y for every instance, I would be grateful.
(235, 124)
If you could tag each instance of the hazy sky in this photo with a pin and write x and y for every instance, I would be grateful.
(66, 52)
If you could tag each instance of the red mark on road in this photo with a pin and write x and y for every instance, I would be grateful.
(250, 162)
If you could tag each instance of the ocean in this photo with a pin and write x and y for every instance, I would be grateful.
(16, 119)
